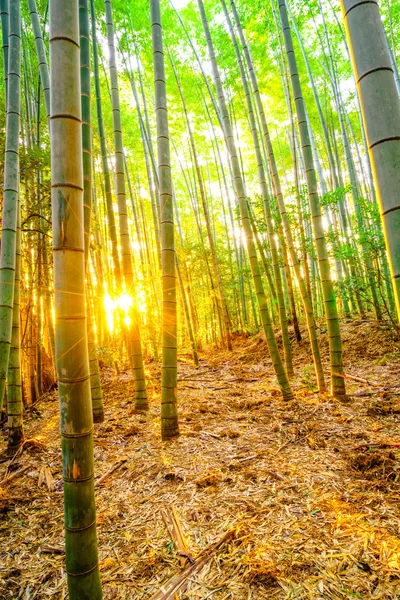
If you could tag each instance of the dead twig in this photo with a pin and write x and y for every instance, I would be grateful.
(52, 550)
(14, 475)
(114, 468)
(353, 378)
(373, 445)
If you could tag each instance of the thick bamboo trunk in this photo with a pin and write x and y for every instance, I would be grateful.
(70, 306)
(380, 105)
(11, 193)
(169, 413)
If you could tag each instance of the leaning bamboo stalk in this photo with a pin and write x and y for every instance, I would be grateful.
(5, 16)
(211, 240)
(264, 194)
(338, 388)
(112, 229)
(282, 208)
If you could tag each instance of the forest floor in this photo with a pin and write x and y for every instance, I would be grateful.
(310, 489)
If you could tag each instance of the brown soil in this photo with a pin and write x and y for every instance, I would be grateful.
(310, 487)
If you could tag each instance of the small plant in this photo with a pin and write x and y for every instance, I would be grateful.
(307, 376)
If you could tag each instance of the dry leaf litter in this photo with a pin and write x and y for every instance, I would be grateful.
(308, 489)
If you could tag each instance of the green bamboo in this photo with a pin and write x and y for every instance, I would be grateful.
(338, 388)
(282, 208)
(41, 54)
(380, 105)
(14, 384)
(242, 200)
(95, 383)
(169, 413)
(264, 194)
(133, 333)
(45, 85)
(103, 151)
(11, 194)
(70, 307)
(187, 315)
(4, 13)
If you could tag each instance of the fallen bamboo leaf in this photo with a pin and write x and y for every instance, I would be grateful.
(174, 528)
(45, 477)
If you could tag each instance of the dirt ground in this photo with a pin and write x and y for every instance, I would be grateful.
(310, 489)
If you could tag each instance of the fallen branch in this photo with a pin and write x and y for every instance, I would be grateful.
(114, 468)
(353, 378)
(246, 458)
(179, 582)
(373, 445)
(214, 435)
(14, 475)
(31, 407)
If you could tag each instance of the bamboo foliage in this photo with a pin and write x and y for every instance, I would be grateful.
(72, 360)
(242, 200)
(287, 178)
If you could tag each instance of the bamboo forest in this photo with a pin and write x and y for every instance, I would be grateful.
(200, 299)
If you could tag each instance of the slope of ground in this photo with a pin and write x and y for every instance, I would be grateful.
(310, 488)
